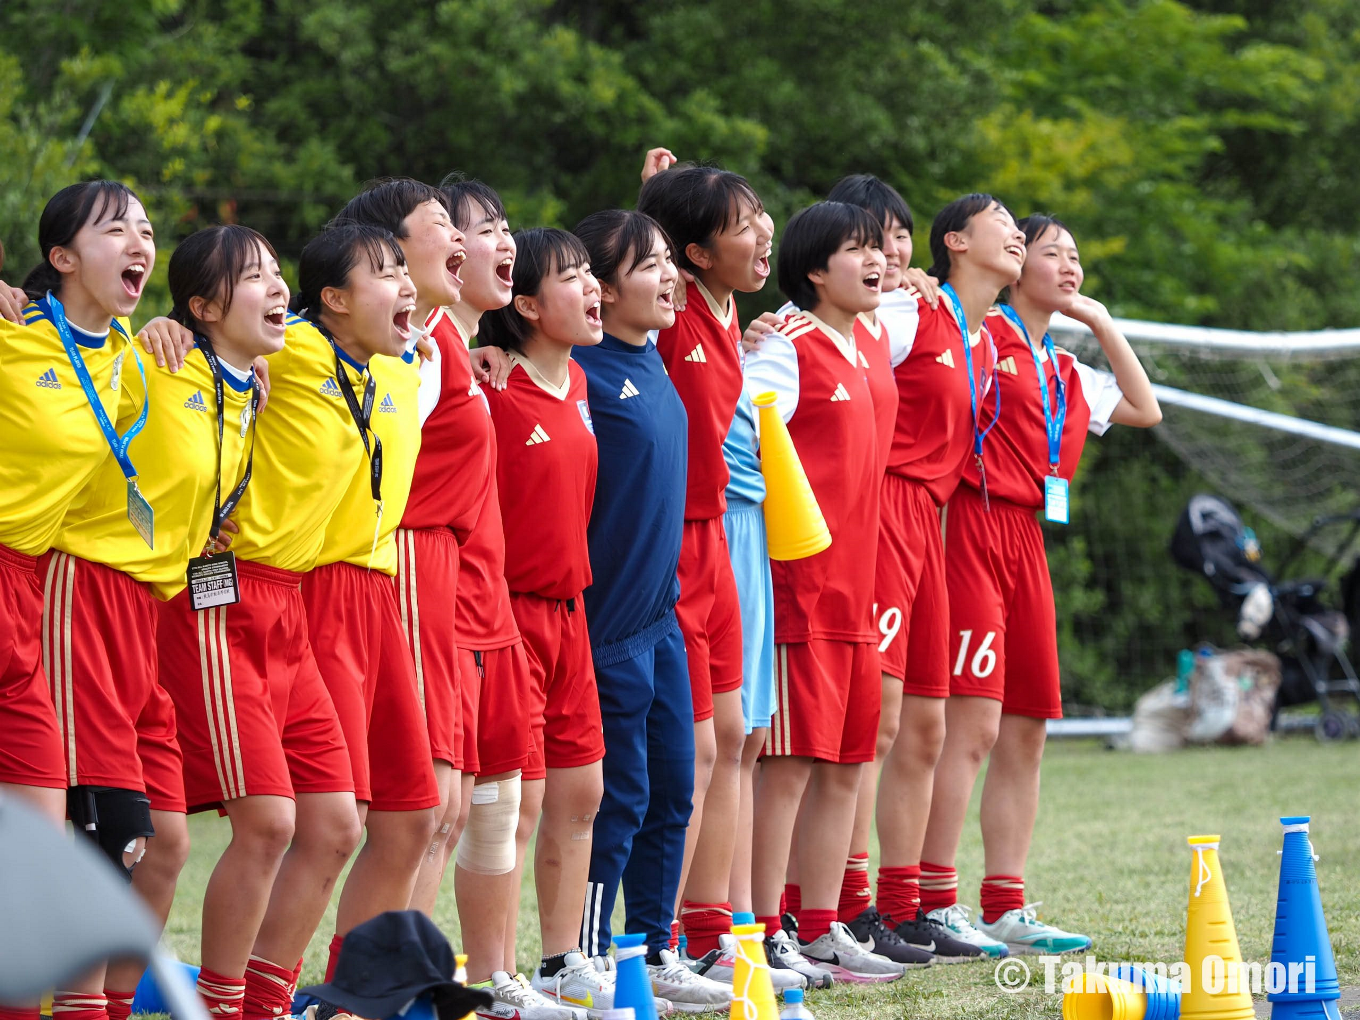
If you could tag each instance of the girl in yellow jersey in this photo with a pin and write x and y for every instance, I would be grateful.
(59, 396)
(103, 584)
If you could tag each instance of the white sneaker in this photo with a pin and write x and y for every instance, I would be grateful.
(579, 984)
(955, 918)
(840, 953)
(780, 979)
(610, 970)
(1023, 933)
(717, 964)
(784, 957)
(687, 991)
(514, 999)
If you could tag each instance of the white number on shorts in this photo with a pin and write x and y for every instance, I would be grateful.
(984, 659)
(889, 624)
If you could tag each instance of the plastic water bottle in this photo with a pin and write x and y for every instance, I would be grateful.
(793, 1006)
(1185, 665)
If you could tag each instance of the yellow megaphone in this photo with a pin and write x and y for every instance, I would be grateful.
(794, 523)
(1211, 935)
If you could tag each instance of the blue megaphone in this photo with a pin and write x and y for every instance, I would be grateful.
(633, 985)
(1301, 942)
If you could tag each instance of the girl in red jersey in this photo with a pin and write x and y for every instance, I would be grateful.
(1003, 641)
(546, 468)
(714, 219)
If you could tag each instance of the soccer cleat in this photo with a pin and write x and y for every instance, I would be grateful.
(783, 954)
(782, 980)
(847, 960)
(876, 937)
(931, 934)
(578, 983)
(1023, 933)
(514, 999)
(685, 990)
(717, 964)
(954, 919)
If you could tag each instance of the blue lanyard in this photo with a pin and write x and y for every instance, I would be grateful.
(1055, 418)
(979, 434)
(118, 444)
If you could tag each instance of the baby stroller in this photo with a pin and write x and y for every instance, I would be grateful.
(1309, 636)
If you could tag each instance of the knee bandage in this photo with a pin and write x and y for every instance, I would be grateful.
(487, 846)
(113, 819)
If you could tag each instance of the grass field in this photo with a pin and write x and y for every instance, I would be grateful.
(1109, 859)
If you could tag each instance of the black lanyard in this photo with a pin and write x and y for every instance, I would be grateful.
(222, 510)
(362, 414)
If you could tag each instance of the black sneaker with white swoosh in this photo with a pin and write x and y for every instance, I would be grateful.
(876, 937)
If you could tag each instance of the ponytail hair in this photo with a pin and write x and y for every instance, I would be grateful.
(614, 237)
(207, 264)
(331, 256)
(65, 213)
(541, 252)
(954, 217)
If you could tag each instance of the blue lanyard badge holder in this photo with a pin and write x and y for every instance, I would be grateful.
(979, 433)
(141, 515)
(1057, 504)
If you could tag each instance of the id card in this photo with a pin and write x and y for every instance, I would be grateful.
(1056, 507)
(212, 581)
(141, 515)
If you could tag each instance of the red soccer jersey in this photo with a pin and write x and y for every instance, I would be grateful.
(933, 439)
(1017, 448)
(702, 352)
(546, 468)
(871, 341)
(453, 471)
(824, 394)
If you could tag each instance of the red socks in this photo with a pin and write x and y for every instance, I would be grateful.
(899, 893)
(771, 924)
(79, 1006)
(703, 923)
(813, 924)
(793, 898)
(939, 886)
(120, 1003)
(269, 990)
(336, 942)
(1001, 893)
(20, 1012)
(854, 888)
(222, 995)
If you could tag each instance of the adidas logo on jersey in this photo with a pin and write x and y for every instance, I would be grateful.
(1007, 365)
(388, 406)
(841, 393)
(329, 389)
(49, 381)
(697, 355)
(946, 359)
(195, 403)
(629, 390)
(537, 436)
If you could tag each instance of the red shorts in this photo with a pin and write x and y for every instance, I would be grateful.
(253, 715)
(709, 614)
(99, 652)
(912, 610)
(565, 705)
(1004, 631)
(365, 661)
(31, 750)
(827, 697)
(498, 687)
(427, 579)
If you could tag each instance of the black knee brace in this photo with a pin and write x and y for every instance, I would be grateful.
(111, 818)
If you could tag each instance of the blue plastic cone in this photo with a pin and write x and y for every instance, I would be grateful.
(1301, 934)
(633, 985)
(148, 998)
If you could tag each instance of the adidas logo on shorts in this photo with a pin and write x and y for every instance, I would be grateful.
(537, 436)
(49, 381)
(329, 389)
(841, 393)
(388, 406)
(629, 390)
(195, 403)
(946, 359)
(697, 355)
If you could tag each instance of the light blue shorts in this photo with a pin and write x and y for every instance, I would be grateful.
(744, 523)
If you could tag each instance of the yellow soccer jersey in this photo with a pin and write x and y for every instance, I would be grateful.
(306, 452)
(176, 460)
(355, 533)
(52, 445)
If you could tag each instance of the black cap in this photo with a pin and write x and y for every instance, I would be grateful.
(390, 960)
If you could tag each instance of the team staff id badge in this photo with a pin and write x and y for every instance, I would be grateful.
(141, 515)
(1056, 509)
(212, 581)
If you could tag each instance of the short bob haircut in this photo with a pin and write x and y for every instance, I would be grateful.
(618, 240)
(65, 213)
(208, 263)
(387, 202)
(1035, 225)
(956, 216)
(542, 252)
(468, 196)
(331, 256)
(694, 204)
(879, 197)
(812, 236)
